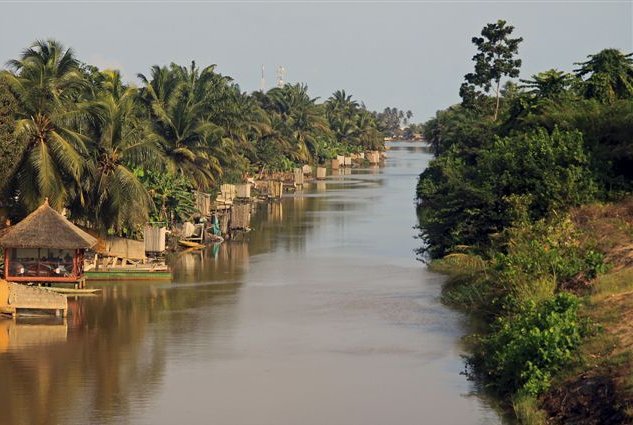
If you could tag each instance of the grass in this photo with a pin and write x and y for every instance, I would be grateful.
(527, 410)
(617, 282)
(599, 387)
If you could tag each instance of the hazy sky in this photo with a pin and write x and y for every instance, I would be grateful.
(411, 55)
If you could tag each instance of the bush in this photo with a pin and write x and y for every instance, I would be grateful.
(463, 203)
(523, 351)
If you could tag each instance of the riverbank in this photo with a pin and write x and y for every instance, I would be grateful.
(558, 345)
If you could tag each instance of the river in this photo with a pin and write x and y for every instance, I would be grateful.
(321, 315)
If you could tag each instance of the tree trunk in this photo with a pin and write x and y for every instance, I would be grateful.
(497, 104)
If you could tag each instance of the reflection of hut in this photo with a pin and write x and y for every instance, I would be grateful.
(45, 247)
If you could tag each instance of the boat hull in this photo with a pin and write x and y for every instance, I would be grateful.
(112, 275)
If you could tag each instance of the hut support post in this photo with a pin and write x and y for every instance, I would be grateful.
(6, 262)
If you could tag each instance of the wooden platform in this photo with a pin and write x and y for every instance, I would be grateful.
(17, 298)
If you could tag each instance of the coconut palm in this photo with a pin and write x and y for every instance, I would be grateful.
(118, 143)
(47, 83)
(340, 103)
(179, 102)
(303, 119)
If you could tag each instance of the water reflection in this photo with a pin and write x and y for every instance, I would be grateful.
(319, 315)
(16, 335)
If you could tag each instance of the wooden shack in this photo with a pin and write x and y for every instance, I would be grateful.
(45, 247)
(275, 189)
(243, 191)
(373, 157)
(298, 177)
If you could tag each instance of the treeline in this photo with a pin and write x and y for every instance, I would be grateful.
(115, 155)
(510, 162)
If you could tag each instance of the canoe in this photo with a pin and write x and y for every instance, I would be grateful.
(190, 244)
(73, 291)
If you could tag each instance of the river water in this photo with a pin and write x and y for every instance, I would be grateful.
(321, 315)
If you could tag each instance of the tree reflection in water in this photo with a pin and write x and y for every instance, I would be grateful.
(112, 352)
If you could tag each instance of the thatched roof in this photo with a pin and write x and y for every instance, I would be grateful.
(46, 228)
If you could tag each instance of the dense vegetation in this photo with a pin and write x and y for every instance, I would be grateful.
(95, 145)
(510, 162)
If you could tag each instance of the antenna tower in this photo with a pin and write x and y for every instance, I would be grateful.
(262, 82)
(281, 76)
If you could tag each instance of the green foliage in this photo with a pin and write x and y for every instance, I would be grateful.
(523, 351)
(172, 195)
(180, 103)
(117, 142)
(463, 204)
(10, 149)
(609, 76)
(551, 84)
(552, 168)
(607, 133)
(460, 128)
(47, 84)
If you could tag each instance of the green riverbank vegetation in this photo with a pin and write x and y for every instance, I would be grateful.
(527, 206)
(116, 155)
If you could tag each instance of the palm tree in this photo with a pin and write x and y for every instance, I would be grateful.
(118, 143)
(47, 83)
(610, 75)
(303, 120)
(369, 137)
(340, 103)
(180, 102)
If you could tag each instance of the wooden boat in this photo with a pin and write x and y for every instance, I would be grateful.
(190, 244)
(128, 274)
(73, 291)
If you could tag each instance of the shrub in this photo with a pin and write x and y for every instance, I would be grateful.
(463, 201)
(524, 350)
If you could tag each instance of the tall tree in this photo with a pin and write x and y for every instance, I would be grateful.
(180, 100)
(303, 121)
(48, 84)
(118, 142)
(495, 60)
(11, 150)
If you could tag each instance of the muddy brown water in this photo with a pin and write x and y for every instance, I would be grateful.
(322, 315)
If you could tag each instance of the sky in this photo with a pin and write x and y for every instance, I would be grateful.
(408, 54)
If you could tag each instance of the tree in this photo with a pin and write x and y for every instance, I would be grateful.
(47, 84)
(464, 203)
(11, 150)
(550, 84)
(610, 75)
(495, 60)
(118, 143)
(180, 102)
(299, 120)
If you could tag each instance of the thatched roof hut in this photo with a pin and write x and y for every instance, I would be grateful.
(46, 228)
